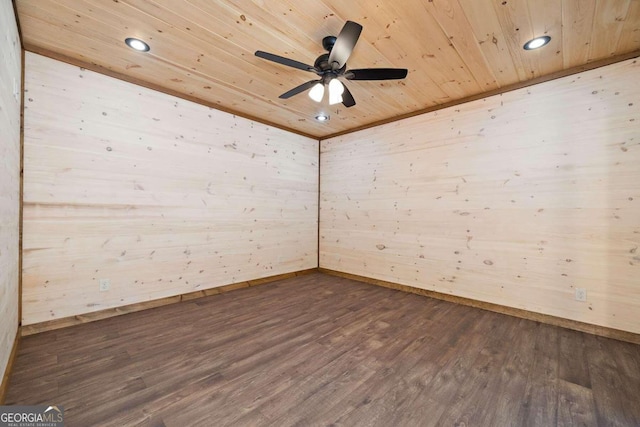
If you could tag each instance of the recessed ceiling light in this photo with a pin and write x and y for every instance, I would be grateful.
(137, 44)
(536, 43)
(322, 117)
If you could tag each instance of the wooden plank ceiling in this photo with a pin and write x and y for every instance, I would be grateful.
(203, 50)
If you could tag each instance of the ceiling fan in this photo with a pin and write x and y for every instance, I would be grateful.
(333, 65)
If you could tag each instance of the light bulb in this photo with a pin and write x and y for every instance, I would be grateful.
(536, 43)
(137, 44)
(317, 92)
(336, 89)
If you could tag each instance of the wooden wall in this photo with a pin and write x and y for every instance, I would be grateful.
(159, 195)
(10, 80)
(516, 199)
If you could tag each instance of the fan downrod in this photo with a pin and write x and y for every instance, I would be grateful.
(322, 62)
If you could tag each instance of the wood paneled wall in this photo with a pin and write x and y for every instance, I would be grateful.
(516, 199)
(158, 195)
(10, 81)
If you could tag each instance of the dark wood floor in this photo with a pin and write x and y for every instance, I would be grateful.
(321, 350)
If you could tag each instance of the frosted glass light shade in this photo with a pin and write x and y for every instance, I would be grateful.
(336, 89)
(317, 92)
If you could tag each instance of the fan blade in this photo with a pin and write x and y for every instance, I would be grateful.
(296, 90)
(284, 61)
(344, 44)
(376, 74)
(347, 98)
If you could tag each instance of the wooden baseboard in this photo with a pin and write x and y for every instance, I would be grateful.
(4, 385)
(131, 308)
(497, 308)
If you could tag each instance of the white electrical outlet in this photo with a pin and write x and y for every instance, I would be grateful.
(105, 285)
(581, 294)
(16, 90)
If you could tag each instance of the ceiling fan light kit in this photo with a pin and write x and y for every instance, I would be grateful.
(317, 92)
(332, 66)
(336, 89)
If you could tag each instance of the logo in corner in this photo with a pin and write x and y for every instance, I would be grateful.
(32, 416)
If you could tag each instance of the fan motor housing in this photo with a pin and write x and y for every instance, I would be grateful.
(322, 62)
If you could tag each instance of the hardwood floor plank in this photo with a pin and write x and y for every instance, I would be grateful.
(392, 341)
(614, 406)
(539, 406)
(373, 392)
(254, 389)
(324, 350)
(509, 391)
(473, 400)
(575, 405)
(572, 364)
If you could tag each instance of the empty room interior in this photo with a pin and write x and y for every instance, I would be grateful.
(346, 213)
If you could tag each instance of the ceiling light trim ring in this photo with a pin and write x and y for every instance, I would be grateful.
(537, 43)
(137, 44)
